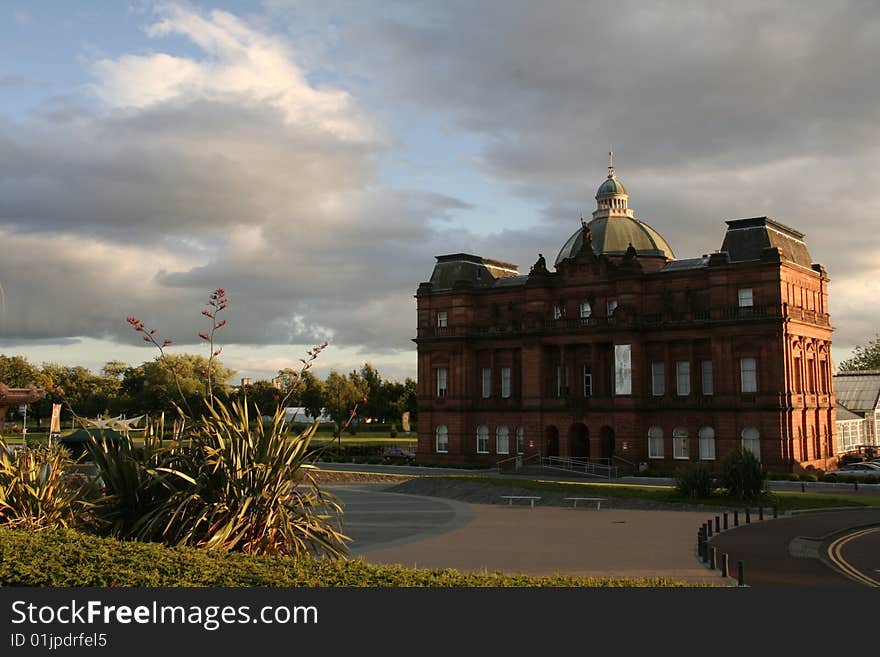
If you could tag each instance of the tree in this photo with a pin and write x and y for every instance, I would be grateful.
(341, 394)
(302, 389)
(88, 394)
(376, 406)
(864, 358)
(17, 372)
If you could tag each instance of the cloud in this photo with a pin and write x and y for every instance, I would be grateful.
(222, 168)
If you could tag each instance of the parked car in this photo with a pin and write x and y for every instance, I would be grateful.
(398, 454)
(855, 470)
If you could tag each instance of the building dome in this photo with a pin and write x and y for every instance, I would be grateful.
(614, 227)
(613, 236)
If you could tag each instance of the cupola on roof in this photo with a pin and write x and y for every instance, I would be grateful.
(614, 227)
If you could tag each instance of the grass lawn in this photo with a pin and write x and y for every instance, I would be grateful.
(786, 500)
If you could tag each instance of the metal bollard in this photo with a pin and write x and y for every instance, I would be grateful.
(717, 525)
(713, 558)
(856, 484)
(725, 565)
(725, 521)
(741, 573)
(803, 488)
(760, 513)
(709, 528)
(775, 511)
(736, 518)
(748, 515)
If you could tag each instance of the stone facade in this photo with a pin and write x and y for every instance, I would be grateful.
(620, 342)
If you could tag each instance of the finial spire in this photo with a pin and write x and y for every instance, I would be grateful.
(610, 163)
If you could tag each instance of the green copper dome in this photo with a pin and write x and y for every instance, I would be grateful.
(613, 235)
(610, 187)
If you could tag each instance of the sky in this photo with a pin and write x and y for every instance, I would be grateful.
(312, 158)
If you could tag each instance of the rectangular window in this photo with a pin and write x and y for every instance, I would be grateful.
(658, 379)
(442, 439)
(558, 311)
(487, 382)
(680, 444)
(482, 440)
(745, 298)
(502, 441)
(706, 378)
(441, 319)
(748, 371)
(611, 306)
(683, 378)
(655, 443)
(520, 440)
(561, 381)
(588, 382)
(441, 381)
(505, 382)
(707, 444)
(586, 310)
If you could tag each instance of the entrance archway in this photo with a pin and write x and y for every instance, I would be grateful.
(551, 441)
(606, 440)
(579, 441)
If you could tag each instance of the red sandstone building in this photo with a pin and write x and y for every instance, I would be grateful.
(624, 355)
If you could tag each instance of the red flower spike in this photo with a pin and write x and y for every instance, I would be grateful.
(206, 313)
(165, 343)
(204, 336)
(147, 338)
(221, 324)
(217, 353)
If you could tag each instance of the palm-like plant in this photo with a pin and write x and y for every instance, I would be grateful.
(37, 491)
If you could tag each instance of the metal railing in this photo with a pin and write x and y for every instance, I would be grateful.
(581, 466)
(516, 463)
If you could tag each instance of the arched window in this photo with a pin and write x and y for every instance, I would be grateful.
(707, 444)
(751, 441)
(680, 443)
(442, 438)
(482, 439)
(520, 440)
(655, 443)
(502, 440)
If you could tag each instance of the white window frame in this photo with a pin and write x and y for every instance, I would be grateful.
(655, 439)
(562, 380)
(610, 306)
(505, 382)
(442, 319)
(707, 378)
(442, 381)
(752, 441)
(683, 378)
(745, 297)
(502, 440)
(558, 311)
(707, 443)
(486, 382)
(482, 439)
(680, 444)
(588, 381)
(658, 378)
(748, 375)
(586, 310)
(520, 440)
(441, 432)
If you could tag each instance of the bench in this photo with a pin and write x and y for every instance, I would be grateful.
(511, 498)
(597, 500)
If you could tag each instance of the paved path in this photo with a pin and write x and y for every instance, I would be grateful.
(431, 532)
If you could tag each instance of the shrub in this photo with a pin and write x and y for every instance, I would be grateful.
(742, 474)
(695, 482)
(807, 477)
(37, 490)
(393, 431)
(66, 558)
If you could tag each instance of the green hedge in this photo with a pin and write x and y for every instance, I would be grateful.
(66, 558)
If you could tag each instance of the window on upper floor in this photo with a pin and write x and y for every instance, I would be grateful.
(441, 319)
(441, 381)
(586, 310)
(611, 306)
(588, 381)
(745, 297)
(683, 378)
(748, 374)
(658, 378)
(558, 311)
(505, 382)
(486, 381)
(561, 381)
(707, 378)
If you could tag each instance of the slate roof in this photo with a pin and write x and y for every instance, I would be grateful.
(858, 391)
(746, 240)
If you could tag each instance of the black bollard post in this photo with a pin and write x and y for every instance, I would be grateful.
(736, 518)
(725, 521)
(713, 558)
(717, 525)
(856, 484)
(803, 488)
(760, 513)
(741, 573)
(775, 511)
(748, 515)
(725, 565)
(706, 548)
(709, 528)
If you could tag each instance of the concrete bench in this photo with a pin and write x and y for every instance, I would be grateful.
(597, 500)
(511, 498)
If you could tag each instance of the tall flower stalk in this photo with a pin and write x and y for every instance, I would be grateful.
(216, 304)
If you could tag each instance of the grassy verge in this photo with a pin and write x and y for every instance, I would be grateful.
(787, 501)
(65, 558)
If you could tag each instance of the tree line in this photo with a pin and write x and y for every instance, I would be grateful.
(151, 388)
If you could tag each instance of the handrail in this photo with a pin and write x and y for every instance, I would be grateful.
(517, 461)
(570, 464)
